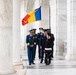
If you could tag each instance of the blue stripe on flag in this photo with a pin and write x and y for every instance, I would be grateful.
(38, 14)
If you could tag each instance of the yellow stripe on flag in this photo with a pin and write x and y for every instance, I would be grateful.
(32, 18)
(32, 12)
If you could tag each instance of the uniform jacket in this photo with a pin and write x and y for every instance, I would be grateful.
(30, 40)
(41, 39)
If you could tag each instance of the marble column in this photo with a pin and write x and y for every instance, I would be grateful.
(23, 28)
(74, 29)
(6, 66)
(16, 32)
(71, 29)
(53, 21)
(45, 14)
(60, 25)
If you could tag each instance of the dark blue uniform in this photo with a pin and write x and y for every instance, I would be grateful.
(30, 40)
(35, 38)
(41, 42)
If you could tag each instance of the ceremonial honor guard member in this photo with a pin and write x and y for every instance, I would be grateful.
(43, 43)
(45, 36)
(30, 47)
(40, 34)
(36, 40)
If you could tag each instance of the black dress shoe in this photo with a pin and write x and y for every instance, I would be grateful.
(29, 64)
(41, 62)
(39, 57)
(33, 63)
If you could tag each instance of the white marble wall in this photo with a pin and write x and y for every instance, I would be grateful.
(53, 21)
(61, 30)
(71, 29)
(23, 29)
(6, 36)
(74, 29)
(16, 32)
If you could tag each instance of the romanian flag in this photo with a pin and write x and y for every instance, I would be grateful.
(34, 15)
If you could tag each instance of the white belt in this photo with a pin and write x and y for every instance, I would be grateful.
(48, 48)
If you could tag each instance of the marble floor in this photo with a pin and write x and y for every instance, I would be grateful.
(57, 67)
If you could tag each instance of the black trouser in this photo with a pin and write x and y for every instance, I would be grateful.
(34, 51)
(42, 54)
(48, 55)
(30, 53)
(39, 52)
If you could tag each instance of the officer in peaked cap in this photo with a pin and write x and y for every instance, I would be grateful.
(45, 31)
(40, 37)
(30, 46)
(43, 43)
(41, 28)
(36, 40)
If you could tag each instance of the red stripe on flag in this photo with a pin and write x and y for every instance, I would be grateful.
(25, 19)
(24, 22)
